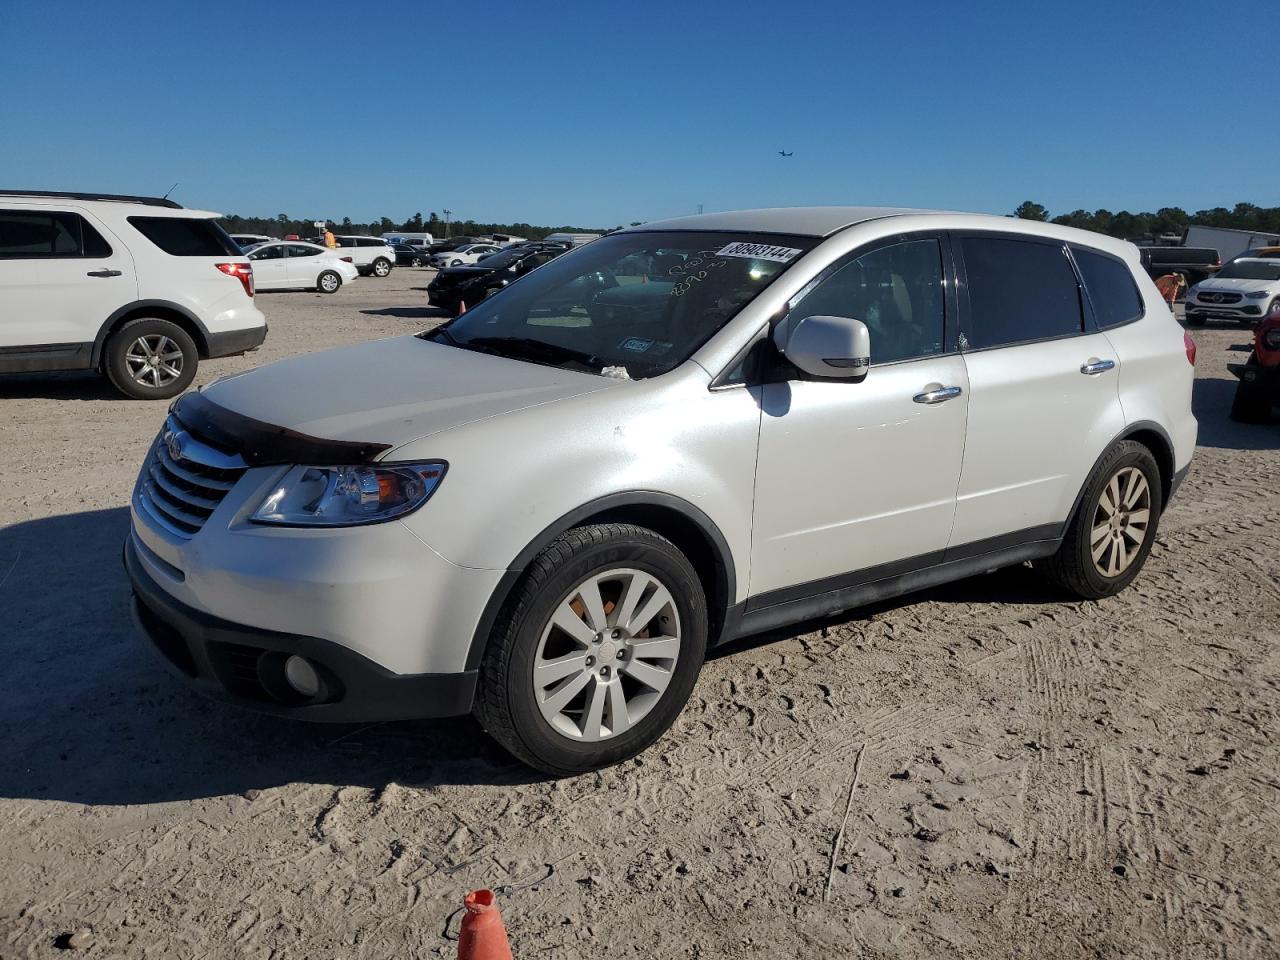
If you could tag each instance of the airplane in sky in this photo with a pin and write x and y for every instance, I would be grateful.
(783, 153)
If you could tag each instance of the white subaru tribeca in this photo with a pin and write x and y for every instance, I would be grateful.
(548, 509)
(135, 287)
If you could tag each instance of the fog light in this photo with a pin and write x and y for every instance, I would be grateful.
(302, 676)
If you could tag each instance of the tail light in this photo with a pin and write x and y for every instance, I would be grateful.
(1190, 344)
(346, 260)
(242, 272)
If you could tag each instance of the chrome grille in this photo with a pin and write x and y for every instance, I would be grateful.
(1213, 296)
(184, 480)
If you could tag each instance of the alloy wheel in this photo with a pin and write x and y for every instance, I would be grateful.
(1120, 522)
(606, 655)
(154, 360)
(329, 283)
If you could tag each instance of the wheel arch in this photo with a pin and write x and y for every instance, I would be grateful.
(1152, 436)
(691, 530)
(159, 309)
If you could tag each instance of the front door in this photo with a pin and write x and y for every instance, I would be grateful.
(858, 480)
(269, 267)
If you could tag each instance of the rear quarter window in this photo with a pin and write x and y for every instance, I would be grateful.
(186, 237)
(1110, 286)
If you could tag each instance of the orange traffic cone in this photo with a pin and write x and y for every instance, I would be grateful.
(462, 307)
(482, 936)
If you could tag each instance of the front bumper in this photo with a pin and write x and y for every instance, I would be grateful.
(242, 665)
(1249, 311)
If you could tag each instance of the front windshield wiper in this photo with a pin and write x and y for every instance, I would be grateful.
(442, 331)
(538, 351)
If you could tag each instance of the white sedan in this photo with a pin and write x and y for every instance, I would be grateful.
(468, 254)
(295, 265)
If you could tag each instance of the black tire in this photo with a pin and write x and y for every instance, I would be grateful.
(382, 267)
(329, 279)
(505, 699)
(125, 347)
(415, 262)
(1072, 568)
(1251, 403)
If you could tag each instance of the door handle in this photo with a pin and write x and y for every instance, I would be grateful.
(937, 394)
(103, 273)
(1096, 366)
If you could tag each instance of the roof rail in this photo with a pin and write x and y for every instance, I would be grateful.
(122, 198)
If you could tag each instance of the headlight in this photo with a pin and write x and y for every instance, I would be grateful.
(1258, 295)
(347, 496)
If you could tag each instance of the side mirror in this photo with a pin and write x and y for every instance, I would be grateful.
(828, 347)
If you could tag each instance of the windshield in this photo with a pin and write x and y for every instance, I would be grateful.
(1249, 270)
(632, 304)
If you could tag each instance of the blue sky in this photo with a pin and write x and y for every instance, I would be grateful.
(603, 113)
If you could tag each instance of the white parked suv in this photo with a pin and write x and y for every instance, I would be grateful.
(298, 265)
(372, 256)
(547, 510)
(1245, 289)
(137, 288)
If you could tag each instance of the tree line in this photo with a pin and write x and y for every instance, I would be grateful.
(282, 225)
(1243, 216)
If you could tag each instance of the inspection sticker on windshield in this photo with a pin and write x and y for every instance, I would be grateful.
(760, 251)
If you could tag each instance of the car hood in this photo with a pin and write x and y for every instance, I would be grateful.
(393, 391)
(1224, 285)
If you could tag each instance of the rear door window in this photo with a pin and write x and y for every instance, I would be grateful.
(1110, 286)
(186, 237)
(1019, 291)
(42, 235)
(296, 251)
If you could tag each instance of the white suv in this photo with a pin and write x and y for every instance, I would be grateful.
(548, 509)
(135, 287)
(372, 256)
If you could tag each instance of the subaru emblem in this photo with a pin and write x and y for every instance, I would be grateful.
(175, 440)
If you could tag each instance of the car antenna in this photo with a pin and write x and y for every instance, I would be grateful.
(169, 191)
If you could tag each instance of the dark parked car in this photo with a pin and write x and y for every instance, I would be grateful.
(471, 283)
(1194, 263)
(407, 256)
(451, 243)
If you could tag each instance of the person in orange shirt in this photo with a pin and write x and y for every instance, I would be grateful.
(330, 240)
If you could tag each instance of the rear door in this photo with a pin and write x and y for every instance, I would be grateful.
(303, 264)
(62, 274)
(1043, 390)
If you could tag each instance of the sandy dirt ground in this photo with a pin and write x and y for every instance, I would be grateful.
(1038, 778)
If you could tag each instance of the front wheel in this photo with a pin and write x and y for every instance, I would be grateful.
(328, 282)
(597, 651)
(381, 267)
(1110, 537)
(150, 359)
(455, 263)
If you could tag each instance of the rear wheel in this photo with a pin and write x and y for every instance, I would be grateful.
(1109, 538)
(150, 359)
(381, 267)
(415, 262)
(328, 282)
(596, 653)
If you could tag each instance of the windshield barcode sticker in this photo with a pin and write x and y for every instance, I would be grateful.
(760, 251)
